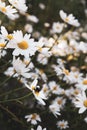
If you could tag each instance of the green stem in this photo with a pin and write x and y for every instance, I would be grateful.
(6, 80)
(15, 99)
(13, 115)
(9, 92)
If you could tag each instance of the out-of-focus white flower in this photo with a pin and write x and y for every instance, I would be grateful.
(54, 88)
(47, 25)
(28, 28)
(85, 119)
(19, 5)
(70, 19)
(8, 10)
(62, 124)
(42, 6)
(2, 53)
(81, 102)
(82, 84)
(55, 109)
(32, 18)
(57, 27)
(5, 35)
(60, 101)
(42, 74)
(18, 68)
(2, 43)
(33, 118)
(82, 47)
(39, 128)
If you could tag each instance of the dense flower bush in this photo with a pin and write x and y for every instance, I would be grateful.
(43, 80)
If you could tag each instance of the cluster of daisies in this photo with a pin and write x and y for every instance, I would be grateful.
(36, 62)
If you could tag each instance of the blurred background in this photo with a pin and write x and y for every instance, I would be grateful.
(47, 11)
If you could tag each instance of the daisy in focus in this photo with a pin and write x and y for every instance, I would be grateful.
(62, 124)
(23, 45)
(38, 93)
(81, 102)
(70, 19)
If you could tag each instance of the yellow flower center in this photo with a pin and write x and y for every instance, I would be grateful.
(41, 71)
(34, 116)
(66, 71)
(85, 81)
(66, 19)
(23, 45)
(36, 93)
(54, 87)
(70, 57)
(3, 9)
(32, 87)
(45, 89)
(85, 103)
(59, 102)
(2, 44)
(9, 36)
(76, 92)
(40, 49)
(62, 125)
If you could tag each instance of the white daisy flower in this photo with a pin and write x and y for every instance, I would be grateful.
(70, 19)
(5, 35)
(33, 118)
(39, 94)
(2, 53)
(81, 102)
(8, 10)
(23, 45)
(82, 84)
(85, 119)
(32, 18)
(62, 124)
(39, 128)
(57, 27)
(19, 5)
(18, 68)
(55, 109)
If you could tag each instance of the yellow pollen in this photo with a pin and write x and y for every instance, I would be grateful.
(76, 92)
(66, 19)
(9, 36)
(33, 87)
(45, 89)
(41, 71)
(70, 57)
(54, 87)
(62, 125)
(3, 9)
(59, 102)
(76, 76)
(23, 45)
(40, 49)
(85, 103)
(66, 71)
(2, 44)
(37, 93)
(33, 116)
(85, 81)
